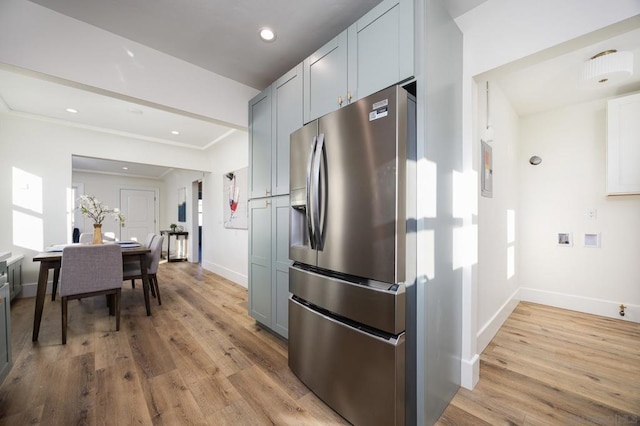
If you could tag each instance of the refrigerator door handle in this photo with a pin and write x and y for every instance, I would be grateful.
(309, 211)
(316, 190)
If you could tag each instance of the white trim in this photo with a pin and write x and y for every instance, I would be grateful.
(470, 372)
(491, 328)
(605, 308)
(226, 273)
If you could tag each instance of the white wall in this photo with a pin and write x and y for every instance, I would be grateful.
(225, 251)
(39, 39)
(43, 150)
(495, 33)
(555, 197)
(106, 188)
(498, 278)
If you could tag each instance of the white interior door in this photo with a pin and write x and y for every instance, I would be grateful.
(139, 209)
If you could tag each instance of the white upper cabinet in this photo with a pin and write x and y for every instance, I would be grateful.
(623, 145)
(373, 53)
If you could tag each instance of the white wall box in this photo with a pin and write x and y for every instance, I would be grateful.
(269, 262)
(373, 53)
(623, 145)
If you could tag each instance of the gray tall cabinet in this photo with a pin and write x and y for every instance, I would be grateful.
(273, 115)
(375, 52)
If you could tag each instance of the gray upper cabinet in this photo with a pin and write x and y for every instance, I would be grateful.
(381, 48)
(373, 53)
(325, 78)
(287, 116)
(260, 145)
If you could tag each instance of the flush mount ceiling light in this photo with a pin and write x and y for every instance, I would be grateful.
(71, 110)
(607, 67)
(175, 132)
(267, 34)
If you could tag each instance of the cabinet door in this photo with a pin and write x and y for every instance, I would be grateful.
(260, 145)
(287, 117)
(15, 278)
(325, 78)
(260, 260)
(281, 263)
(623, 145)
(5, 332)
(381, 48)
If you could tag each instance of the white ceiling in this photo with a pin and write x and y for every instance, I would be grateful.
(218, 35)
(221, 36)
(554, 81)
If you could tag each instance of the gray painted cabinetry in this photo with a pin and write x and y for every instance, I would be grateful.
(5, 331)
(373, 53)
(273, 115)
(14, 275)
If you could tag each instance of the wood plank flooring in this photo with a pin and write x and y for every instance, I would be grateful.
(549, 366)
(200, 359)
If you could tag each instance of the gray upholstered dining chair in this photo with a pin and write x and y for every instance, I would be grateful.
(132, 271)
(87, 271)
(86, 238)
(147, 244)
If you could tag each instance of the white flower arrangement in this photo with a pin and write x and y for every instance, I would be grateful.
(90, 207)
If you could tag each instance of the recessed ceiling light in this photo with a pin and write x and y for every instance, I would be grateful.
(267, 34)
(71, 110)
(125, 168)
(175, 132)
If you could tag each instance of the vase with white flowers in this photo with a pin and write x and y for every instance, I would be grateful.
(94, 209)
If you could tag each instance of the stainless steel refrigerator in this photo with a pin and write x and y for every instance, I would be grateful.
(350, 175)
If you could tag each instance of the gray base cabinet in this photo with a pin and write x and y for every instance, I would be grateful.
(269, 262)
(14, 275)
(5, 332)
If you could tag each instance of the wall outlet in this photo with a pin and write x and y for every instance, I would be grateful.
(592, 214)
(564, 239)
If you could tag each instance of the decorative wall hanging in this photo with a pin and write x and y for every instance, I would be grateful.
(486, 170)
(182, 204)
(234, 199)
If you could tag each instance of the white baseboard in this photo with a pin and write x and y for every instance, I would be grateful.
(470, 372)
(30, 290)
(490, 329)
(605, 308)
(226, 273)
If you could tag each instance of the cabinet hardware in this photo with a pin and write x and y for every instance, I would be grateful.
(340, 101)
(349, 97)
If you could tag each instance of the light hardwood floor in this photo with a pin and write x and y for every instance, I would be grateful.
(549, 366)
(200, 359)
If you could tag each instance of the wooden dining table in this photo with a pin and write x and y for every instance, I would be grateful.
(53, 260)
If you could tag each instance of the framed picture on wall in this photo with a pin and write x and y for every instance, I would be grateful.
(486, 170)
(182, 204)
